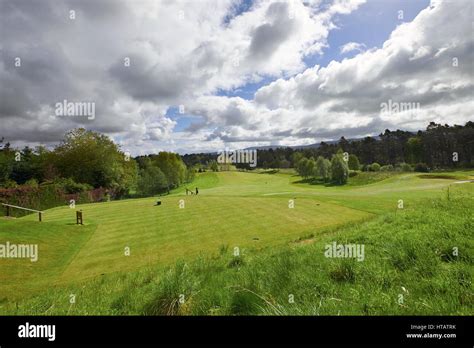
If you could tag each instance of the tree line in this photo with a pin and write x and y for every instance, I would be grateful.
(85, 160)
(437, 147)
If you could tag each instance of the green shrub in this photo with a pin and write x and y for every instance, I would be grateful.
(70, 186)
(353, 173)
(386, 168)
(10, 184)
(374, 167)
(403, 167)
(32, 183)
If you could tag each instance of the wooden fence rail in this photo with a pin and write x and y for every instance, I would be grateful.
(8, 206)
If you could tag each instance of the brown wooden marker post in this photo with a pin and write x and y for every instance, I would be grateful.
(40, 216)
(79, 218)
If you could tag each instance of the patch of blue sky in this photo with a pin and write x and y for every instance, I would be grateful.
(248, 90)
(240, 7)
(183, 120)
(371, 25)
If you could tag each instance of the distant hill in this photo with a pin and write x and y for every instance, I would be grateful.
(310, 146)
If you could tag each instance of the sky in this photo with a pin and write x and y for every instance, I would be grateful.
(205, 75)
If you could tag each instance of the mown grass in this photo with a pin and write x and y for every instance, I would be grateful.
(234, 209)
(365, 178)
(158, 234)
(409, 268)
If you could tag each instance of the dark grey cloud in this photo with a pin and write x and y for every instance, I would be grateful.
(150, 82)
(269, 36)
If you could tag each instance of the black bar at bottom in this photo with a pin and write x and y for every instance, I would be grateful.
(454, 331)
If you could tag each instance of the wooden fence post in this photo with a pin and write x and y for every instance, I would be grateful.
(40, 217)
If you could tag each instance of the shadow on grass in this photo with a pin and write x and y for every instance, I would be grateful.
(320, 182)
(271, 171)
